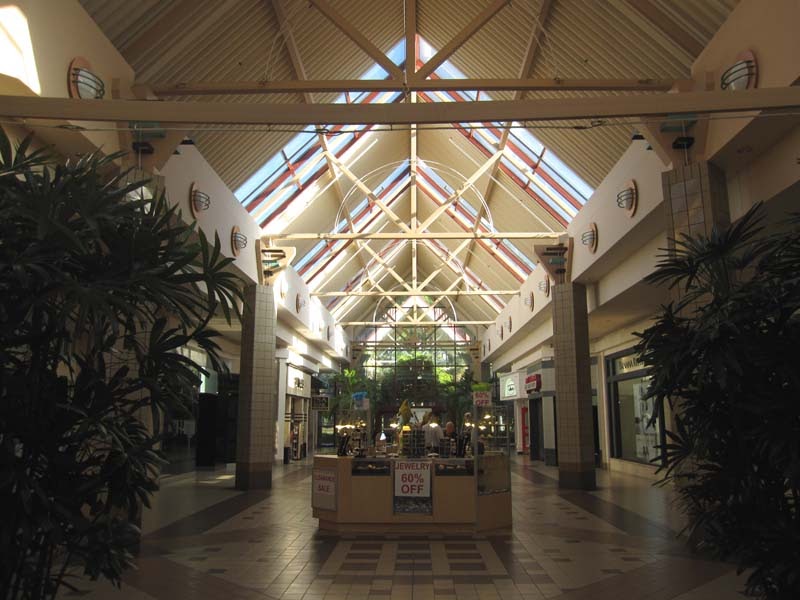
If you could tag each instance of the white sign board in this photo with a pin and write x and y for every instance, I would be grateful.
(412, 478)
(323, 492)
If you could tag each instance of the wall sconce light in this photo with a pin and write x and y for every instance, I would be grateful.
(238, 240)
(589, 238)
(529, 302)
(741, 75)
(509, 324)
(490, 345)
(198, 201)
(328, 333)
(628, 198)
(544, 286)
(82, 83)
(284, 289)
(501, 332)
(299, 383)
(299, 303)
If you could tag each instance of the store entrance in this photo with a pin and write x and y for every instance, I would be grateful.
(536, 442)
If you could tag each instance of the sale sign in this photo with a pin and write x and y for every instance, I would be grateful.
(323, 491)
(412, 478)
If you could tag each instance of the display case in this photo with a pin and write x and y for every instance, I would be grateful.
(492, 431)
(421, 494)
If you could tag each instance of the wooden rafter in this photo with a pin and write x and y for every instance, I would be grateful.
(359, 38)
(458, 40)
(531, 54)
(403, 293)
(167, 112)
(667, 26)
(410, 13)
(304, 86)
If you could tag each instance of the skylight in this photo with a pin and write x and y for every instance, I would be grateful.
(290, 181)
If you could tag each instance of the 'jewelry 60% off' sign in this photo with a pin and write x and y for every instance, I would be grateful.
(412, 478)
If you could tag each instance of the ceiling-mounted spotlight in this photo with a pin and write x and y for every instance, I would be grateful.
(198, 201)
(636, 136)
(649, 147)
(628, 198)
(741, 75)
(589, 237)
(82, 82)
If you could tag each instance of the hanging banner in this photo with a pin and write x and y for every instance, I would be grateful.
(412, 478)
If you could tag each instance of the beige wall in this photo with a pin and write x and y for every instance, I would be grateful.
(59, 31)
(769, 29)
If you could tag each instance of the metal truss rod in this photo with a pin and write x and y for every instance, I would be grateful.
(420, 235)
(436, 293)
(412, 323)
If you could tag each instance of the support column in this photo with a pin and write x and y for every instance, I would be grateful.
(257, 388)
(280, 401)
(574, 421)
(695, 201)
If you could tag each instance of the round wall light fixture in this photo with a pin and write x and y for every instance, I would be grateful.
(589, 237)
(198, 201)
(741, 75)
(82, 82)
(544, 286)
(238, 240)
(628, 198)
(299, 303)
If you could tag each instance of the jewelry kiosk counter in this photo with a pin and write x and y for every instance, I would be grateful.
(412, 494)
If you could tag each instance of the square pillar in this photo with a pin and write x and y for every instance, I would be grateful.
(574, 421)
(257, 390)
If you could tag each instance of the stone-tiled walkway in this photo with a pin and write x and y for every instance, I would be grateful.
(204, 540)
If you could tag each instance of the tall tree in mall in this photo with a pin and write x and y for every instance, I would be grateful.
(726, 359)
(100, 288)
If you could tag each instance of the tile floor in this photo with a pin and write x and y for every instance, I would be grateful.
(205, 540)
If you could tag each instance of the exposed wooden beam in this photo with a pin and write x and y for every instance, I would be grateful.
(442, 208)
(393, 293)
(667, 26)
(223, 88)
(400, 113)
(419, 235)
(359, 38)
(458, 40)
(373, 197)
(410, 14)
(291, 48)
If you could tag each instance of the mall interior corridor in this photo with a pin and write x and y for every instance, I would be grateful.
(204, 540)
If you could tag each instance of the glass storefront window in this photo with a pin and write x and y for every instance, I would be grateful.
(635, 435)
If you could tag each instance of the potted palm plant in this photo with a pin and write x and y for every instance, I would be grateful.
(100, 288)
(725, 356)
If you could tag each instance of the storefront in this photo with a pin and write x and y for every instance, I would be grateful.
(634, 436)
(297, 409)
(512, 389)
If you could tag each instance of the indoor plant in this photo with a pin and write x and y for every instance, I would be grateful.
(725, 357)
(100, 289)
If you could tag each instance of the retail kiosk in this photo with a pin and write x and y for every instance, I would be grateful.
(418, 494)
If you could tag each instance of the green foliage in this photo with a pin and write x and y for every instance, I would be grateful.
(726, 359)
(98, 292)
